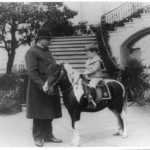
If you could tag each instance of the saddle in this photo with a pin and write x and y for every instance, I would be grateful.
(101, 92)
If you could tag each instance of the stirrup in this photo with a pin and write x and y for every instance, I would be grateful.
(93, 102)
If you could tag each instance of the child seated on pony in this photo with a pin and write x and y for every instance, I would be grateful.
(94, 67)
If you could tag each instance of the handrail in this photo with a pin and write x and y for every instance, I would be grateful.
(115, 8)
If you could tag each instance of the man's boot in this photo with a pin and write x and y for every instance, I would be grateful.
(39, 142)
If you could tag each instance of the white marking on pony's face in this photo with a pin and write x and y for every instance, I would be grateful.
(74, 76)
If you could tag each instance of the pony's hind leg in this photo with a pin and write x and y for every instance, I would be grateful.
(119, 129)
(124, 119)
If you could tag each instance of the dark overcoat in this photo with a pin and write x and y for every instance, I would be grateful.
(40, 105)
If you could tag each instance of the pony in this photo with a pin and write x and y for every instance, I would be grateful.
(70, 83)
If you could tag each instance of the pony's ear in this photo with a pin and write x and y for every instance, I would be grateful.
(51, 69)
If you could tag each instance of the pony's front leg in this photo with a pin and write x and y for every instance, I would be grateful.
(76, 136)
(124, 120)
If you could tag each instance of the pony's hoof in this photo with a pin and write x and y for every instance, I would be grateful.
(117, 133)
(124, 135)
(74, 144)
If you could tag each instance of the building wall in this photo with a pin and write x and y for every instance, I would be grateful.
(144, 45)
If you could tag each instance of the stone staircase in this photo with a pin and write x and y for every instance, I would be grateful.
(70, 49)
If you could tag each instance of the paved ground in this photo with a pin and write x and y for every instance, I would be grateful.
(95, 128)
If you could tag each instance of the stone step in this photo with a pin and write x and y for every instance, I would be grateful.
(72, 42)
(79, 57)
(71, 61)
(73, 39)
(146, 15)
(82, 65)
(112, 32)
(67, 49)
(68, 46)
(120, 29)
(135, 20)
(68, 53)
(129, 25)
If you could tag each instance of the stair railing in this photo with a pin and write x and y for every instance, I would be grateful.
(124, 11)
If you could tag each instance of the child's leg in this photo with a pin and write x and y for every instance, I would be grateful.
(94, 81)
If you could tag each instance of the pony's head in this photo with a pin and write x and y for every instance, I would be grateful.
(53, 73)
(75, 80)
(57, 74)
(66, 77)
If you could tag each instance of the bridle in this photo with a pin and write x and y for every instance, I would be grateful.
(50, 92)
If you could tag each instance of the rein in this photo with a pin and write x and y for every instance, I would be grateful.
(61, 91)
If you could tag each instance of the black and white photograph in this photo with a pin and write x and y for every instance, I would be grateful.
(75, 74)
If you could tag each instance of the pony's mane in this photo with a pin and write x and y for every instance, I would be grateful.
(52, 68)
(75, 80)
(73, 74)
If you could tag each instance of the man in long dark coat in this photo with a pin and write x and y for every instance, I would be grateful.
(41, 107)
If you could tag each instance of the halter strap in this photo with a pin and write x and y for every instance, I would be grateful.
(57, 80)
